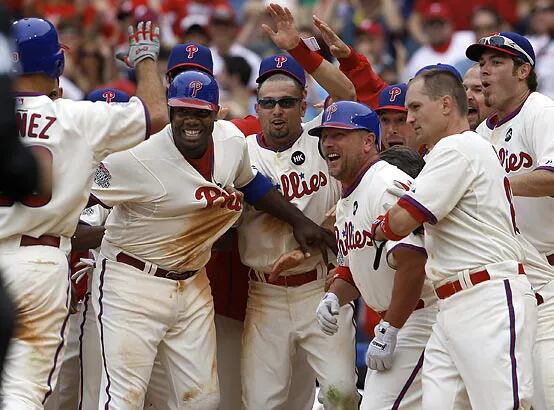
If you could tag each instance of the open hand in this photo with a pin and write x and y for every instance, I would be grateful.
(286, 37)
(338, 48)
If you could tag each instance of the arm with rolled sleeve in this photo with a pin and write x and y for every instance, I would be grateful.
(540, 139)
(438, 188)
(114, 127)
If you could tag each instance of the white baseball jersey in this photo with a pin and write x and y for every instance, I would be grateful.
(77, 136)
(366, 199)
(525, 142)
(464, 195)
(300, 173)
(163, 208)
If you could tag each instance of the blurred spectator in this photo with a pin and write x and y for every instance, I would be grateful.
(462, 10)
(235, 94)
(92, 65)
(223, 30)
(541, 26)
(371, 42)
(194, 28)
(443, 45)
(484, 22)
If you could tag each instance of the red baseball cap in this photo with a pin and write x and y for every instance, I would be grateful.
(371, 28)
(436, 11)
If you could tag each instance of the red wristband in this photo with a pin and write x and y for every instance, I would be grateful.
(387, 231)
(350, 62)
(308, 59)
(344, 273)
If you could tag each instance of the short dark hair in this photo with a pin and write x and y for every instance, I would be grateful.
(281, 77)
(236, 65)
(405, 159)
(532, 82)
(438, 83)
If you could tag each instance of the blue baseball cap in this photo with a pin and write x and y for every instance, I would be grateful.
(194, 89)
(349, 115)
(190, 55)
(506, 42)
(108, 95)
(393, 97)
(441, 67)
(281, 64)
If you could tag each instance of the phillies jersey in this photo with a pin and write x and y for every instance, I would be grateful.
(464, 196)
(300, 173)
(524, 141)
(366, 199)
(76, 136)
(164, 210)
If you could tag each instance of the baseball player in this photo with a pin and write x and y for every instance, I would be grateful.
(392, 117)
(487, 311)
(350, 140)
(477, 109)
(520, 132)
(172, 197)
(35, 234)
(229, 277)
(279, 318)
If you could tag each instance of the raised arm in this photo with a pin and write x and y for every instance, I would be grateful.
(287, 38)
(144, 47)
(355, 66)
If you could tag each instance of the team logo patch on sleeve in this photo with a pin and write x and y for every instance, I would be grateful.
(102, 176)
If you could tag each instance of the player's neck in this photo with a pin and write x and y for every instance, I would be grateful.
(34, 83)
(280, 144)
(362, 169)
(456, 125)
(513, 104)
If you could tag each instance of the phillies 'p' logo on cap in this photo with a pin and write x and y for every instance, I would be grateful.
(393, 93)
(108, 96)
(191, 49)
(332, 108)
(195, 86)
(280, 60)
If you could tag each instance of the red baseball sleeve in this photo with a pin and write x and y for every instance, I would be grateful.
(248, 125)
(367, 83)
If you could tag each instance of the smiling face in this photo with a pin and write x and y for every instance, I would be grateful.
(424, 114)
(347, 151)
(477, 109)
(281, 126)
(192, 129)
(394, 129)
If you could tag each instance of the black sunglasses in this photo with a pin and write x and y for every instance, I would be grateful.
(285, 102)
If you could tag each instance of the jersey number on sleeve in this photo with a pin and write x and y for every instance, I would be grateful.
(41, 198)
(509, 195)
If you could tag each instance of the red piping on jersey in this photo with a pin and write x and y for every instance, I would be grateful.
(416, 210)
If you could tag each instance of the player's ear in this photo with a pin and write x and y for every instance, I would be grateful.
(447, 104)
(523, 71)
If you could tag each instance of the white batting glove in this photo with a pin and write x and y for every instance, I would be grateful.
(381, 349)
(327, 312)
(144, 43)
(85, 266)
